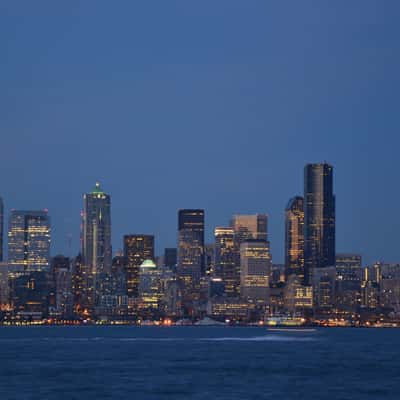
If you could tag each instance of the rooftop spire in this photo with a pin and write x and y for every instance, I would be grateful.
(97, 189)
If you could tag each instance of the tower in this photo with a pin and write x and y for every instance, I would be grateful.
(319, 218)
(190, 263)
(294, 237)
(96, 235)
(137, 249)
(29, 240)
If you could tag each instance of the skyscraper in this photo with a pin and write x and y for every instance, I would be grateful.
(294, 237)
(1, 229)
(190, 265)
(29, 240)
(137, 248)
(225, 265)
(319, 218)
(349, 276)
(96, 231)
(349, 267)
(149, 286)
(62, 286)
(250, 226)
(255, 270)
(170, 255)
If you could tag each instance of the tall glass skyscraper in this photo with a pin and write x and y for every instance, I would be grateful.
(137, 249)
(319, 218)
(255, 270)
(248, 227)
(190, 263)
(29, 240)
(294, 237)
(225, 261)
(96, 231)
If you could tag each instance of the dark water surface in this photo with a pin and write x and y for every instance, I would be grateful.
(198, 363)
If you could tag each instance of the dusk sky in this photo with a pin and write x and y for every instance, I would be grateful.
(212, 104)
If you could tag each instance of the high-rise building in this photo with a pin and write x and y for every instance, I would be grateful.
(1, 230)
(137, 248)
(29, 295)
(149, 286)
(250, 226)
(348, 267)
(349, 277)
(190, 263)
(225, 265)
(82, 287)
(319, 218)
(255, 270)
(29, 240)
(245, 227)
(61, 278)
(209, 258)
(170, 256)
(297, 297)
(96, 231)
(324, 289)
(294, 237)
(389, 296)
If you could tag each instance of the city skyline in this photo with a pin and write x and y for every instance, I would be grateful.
(193, 193)
(234, 277)
(118, 242)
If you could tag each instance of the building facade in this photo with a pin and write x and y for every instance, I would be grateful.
(250, 226)
(190, 262)
(96, 231)
(137, 249)
(294, 237)
(255, 271)
(29, 239)
(319, 218)
(226, 268)
(170, 257)
(150, 294)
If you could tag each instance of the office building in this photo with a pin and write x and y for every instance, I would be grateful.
(83, 292)
(297, 297)
(137, 248)
(349, 276)
(29, 293)
(319, 218)
(348, 267)
(61, 279)
(190, 263)
(29, 240)
(170, 257)
(247, 227)
(255, 270)
(150, 294)
(209, 258)
(250, 227)
(226, 268)
(96, 231)
(389, 296)
(324, 285)
(294, 237)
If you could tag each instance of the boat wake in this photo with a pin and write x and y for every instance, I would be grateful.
(267, 338)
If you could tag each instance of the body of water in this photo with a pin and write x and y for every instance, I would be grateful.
(102, 362)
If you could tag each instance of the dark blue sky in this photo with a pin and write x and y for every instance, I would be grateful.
(213, 104)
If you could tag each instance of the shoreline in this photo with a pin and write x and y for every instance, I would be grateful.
(308, 327)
